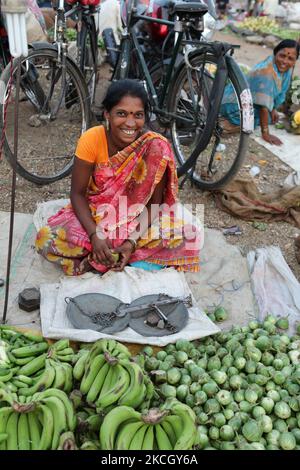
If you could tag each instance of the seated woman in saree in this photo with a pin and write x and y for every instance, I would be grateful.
(269, 82)
(123, 197)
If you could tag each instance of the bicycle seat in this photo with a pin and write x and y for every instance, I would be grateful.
(188, 7)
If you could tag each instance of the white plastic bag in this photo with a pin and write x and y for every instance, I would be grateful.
(275, 287)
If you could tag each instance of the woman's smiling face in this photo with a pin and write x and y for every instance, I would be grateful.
(285, 59)
(126, 120)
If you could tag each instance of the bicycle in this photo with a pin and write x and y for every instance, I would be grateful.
(59, 92)
(187, 91)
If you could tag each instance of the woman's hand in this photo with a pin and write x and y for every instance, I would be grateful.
(125, 251)
(274, 116)
(271, 139)
(101, 252)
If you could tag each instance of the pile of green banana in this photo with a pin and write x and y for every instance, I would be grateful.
(172, 428)
(108, 376)
(36, 367)
(38, 424)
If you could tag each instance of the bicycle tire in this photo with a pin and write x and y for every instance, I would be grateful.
(89, 57)
(38, 161)
(187, 143)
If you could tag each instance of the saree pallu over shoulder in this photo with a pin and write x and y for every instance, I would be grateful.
(117, 194)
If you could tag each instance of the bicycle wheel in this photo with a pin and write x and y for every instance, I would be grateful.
(190, 101)
(89, 58)
(56, 111)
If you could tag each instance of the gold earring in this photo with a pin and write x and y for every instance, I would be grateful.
(107, 124)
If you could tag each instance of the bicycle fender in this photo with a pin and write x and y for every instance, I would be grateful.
(42, 45)
(245, 96)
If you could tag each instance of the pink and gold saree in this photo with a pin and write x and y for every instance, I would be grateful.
(117, 194)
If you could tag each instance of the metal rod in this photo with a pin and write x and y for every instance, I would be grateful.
(13, 191)
(186, 300)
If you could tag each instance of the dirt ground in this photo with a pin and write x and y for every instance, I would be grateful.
(273, 172)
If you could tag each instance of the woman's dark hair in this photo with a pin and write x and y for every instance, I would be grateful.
(289, 43)
(126, 87)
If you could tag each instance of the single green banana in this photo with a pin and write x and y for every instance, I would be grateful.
(23, 378)
(90, 373)
(188, 434)
(5, 413)
(35, 430)
(149, 393)
(21, 361)
(12, 431)
(61, 344)
(59, 418)
(34, 365)
(34, 337)
(78, 369)
(6, 378)
(120, 349)
(69, 377)
(126, 434)
(133, 395)
(68, 358)
(148, 442)
(23, 432)
(60, 375)
(31, 350)
(44, 382)
(162, 439)
(167, 427)
(176, 424)
(47, 427)
(111, 423)
(19, 384)
(117, 389)
(96, 386)
(71, 418)
(108, 381)
(65, 352)
(138, 439)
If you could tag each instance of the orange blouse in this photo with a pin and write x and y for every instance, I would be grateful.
(92, 146)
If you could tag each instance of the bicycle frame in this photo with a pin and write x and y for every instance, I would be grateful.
(182, 41)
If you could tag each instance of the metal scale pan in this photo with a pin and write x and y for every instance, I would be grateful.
(177, 314)
(92, 304)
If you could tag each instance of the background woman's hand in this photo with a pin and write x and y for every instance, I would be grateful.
(274, 116)
(101, 252)
(272, 139)
(125, 251)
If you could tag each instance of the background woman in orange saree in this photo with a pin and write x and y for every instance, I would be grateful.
(123, 197)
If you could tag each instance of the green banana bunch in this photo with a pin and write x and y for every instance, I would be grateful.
(61, 351)
(37, 425)
(124, 428)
